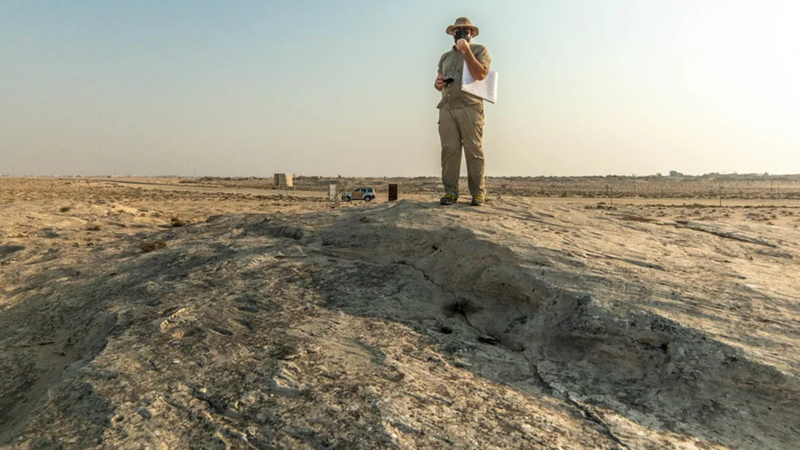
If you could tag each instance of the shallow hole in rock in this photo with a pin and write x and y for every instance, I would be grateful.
(223, 331)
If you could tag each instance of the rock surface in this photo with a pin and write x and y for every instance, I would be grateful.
(404, 325)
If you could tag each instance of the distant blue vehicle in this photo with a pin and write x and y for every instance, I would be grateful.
(364, 193)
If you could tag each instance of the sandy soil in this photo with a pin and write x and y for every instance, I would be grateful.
(773, 187)
(415, 192)
(143, 318)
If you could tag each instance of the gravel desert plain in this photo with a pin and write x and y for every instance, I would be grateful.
(568, 313)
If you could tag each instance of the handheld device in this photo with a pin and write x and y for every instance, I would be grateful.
(461, 33)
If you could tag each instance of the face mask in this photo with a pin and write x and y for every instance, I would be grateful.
(461, 33)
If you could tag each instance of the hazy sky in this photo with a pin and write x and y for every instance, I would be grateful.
(345, 87)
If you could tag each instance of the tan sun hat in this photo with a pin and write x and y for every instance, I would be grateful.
(462, 22)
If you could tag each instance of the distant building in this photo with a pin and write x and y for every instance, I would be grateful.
(283, 180)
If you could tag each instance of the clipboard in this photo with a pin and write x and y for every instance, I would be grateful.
(485, 89)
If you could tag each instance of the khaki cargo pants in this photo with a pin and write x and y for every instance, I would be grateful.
(462, 127)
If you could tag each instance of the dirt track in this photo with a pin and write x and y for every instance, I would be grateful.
(383, 196)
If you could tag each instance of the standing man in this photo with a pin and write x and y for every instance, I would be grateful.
(461, 114)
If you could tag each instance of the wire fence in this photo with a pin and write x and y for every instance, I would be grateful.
(783, 187)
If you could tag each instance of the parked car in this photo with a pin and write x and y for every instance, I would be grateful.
(364, 193)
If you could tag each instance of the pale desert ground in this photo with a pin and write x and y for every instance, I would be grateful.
(132, 316)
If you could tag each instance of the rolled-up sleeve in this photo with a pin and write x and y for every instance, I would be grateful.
(482, 55)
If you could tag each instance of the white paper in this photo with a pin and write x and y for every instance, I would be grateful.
(485, 89)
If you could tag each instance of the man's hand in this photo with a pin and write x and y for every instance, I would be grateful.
(463, 46)
(439, 84)
(476, 69)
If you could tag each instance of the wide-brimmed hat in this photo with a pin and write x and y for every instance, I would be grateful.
(462, 22)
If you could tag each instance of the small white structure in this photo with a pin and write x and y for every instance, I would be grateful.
(283, 180)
